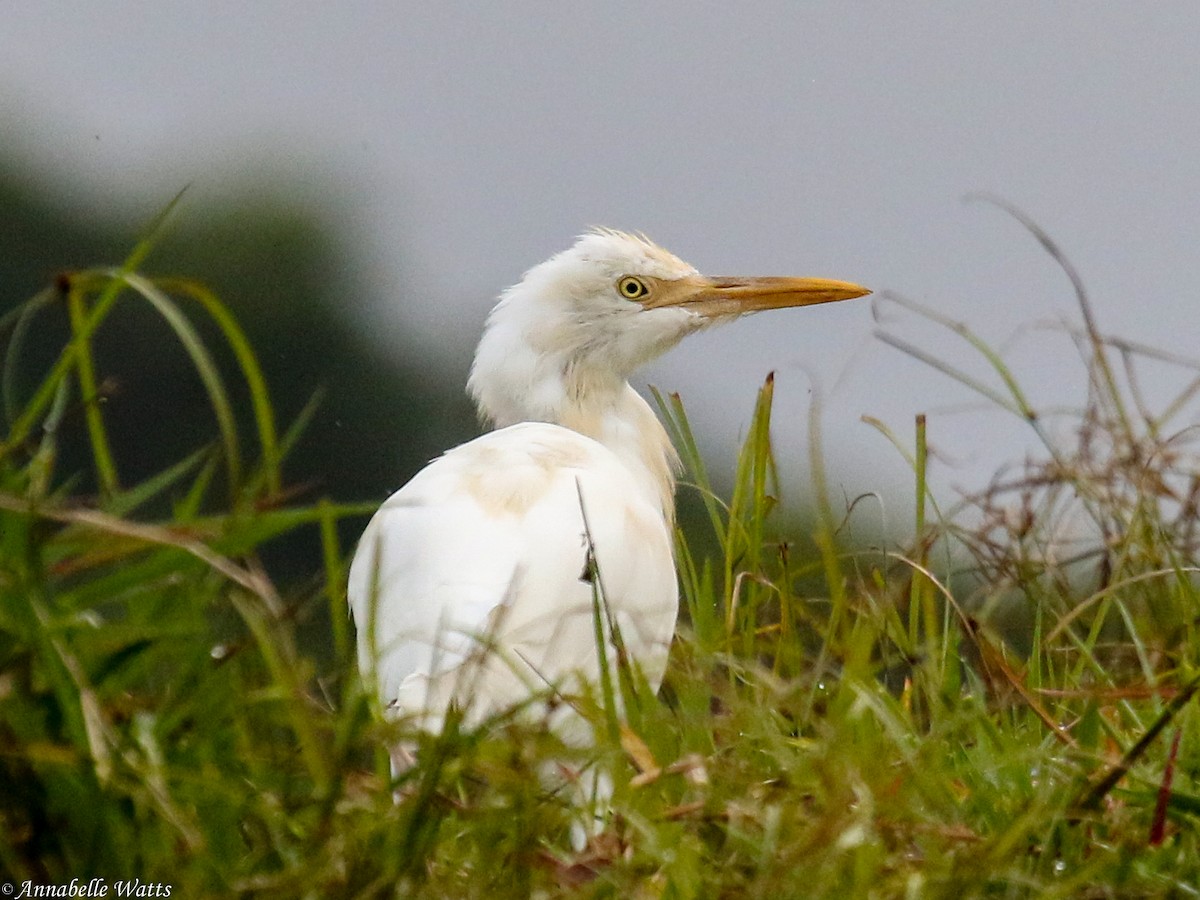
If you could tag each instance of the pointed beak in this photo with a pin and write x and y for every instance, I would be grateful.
(726, 296)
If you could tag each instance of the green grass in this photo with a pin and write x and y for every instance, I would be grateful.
(988, 712)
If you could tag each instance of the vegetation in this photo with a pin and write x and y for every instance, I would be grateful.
(1003, 710)
(280, 252)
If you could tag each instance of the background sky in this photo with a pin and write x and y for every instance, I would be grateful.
(467, 142)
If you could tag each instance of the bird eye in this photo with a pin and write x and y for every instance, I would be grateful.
(632, 288)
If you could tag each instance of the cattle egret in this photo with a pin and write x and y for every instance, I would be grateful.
(473, 584)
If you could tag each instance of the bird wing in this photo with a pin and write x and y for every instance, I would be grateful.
(487, 549)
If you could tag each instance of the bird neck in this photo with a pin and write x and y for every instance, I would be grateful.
(626, 425)
(597, 404)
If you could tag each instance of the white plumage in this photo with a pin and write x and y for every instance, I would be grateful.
(471, 584)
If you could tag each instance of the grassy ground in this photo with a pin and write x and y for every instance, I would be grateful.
(834, 723)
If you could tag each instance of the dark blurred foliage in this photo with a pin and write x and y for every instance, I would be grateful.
(291, 280)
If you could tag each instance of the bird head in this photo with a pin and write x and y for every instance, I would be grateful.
(610, 303)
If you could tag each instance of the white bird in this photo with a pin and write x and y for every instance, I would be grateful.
(472, 584)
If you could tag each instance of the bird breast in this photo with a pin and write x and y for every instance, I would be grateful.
(487, 548)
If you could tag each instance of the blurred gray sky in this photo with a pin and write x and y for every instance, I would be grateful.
(823, 138)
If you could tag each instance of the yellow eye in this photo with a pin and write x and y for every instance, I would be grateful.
(632, 288)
